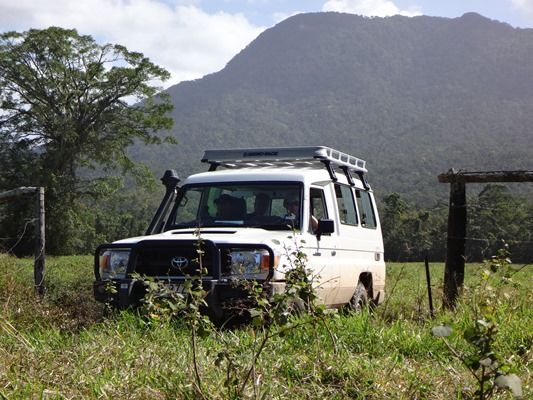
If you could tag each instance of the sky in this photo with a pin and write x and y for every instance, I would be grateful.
(192, 38)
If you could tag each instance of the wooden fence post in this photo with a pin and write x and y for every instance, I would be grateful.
(455, 245)
(39, 265)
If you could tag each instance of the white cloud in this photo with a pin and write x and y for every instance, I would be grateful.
(525, 5)
(370, 8)
(176, 35)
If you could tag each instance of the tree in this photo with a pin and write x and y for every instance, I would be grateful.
(410, 233)
(495, 217)
(68, 103)
(396, 238)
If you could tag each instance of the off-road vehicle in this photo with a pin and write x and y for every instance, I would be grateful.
(249, 211)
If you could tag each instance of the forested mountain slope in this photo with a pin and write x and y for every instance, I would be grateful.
(412, 96)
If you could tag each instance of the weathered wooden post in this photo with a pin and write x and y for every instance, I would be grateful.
(454, 271)
(38, 266)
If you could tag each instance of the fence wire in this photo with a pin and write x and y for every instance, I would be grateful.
(22, 234)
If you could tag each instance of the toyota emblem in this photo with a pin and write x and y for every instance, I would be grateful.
(179, 262)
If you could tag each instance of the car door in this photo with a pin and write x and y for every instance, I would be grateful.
(322, 254)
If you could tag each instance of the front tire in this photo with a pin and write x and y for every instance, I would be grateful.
(359, 299)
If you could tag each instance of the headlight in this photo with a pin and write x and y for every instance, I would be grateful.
(114, 263)
(249, 262)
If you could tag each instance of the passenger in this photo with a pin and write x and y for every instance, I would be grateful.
(261, 205)
(225, 204)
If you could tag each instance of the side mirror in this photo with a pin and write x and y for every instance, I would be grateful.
(325, 226)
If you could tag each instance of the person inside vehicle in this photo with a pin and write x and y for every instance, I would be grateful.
(261, 205)
(225, 206)
(292, 204)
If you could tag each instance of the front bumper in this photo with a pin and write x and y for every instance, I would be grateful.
(153, 259)
(223, 296)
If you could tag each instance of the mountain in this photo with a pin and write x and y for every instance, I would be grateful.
(412, 96)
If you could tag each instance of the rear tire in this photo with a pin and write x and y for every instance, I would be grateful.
(359, 299)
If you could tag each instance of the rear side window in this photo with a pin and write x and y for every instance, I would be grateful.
(346, 205)
(366, 209)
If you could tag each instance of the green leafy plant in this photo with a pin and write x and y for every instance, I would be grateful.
(164, 303)
(273, 316)
(270, 316)
(490, 369)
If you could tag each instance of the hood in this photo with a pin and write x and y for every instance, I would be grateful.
(221, 235)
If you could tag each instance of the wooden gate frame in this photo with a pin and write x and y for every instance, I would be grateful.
(455, 244)
(39, 261)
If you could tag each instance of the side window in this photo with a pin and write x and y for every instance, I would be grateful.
(366, 210)
(190, 206)
(346, 205)
(318, 205)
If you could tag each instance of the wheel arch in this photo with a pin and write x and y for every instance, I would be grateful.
(366, 279)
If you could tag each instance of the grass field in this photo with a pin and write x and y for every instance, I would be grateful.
(62, 348)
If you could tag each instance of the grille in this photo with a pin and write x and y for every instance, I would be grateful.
(172, 261)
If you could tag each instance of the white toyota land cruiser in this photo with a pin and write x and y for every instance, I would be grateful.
(245, 209)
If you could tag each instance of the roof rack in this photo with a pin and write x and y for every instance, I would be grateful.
(308, 156)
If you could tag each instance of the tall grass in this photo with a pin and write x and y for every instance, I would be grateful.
(61, 347)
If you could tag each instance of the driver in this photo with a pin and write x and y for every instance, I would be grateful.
(292, 204)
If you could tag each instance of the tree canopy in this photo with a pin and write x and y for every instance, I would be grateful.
(67, 102)
(495, 217)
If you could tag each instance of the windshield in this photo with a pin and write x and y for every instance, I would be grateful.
(266, 205)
